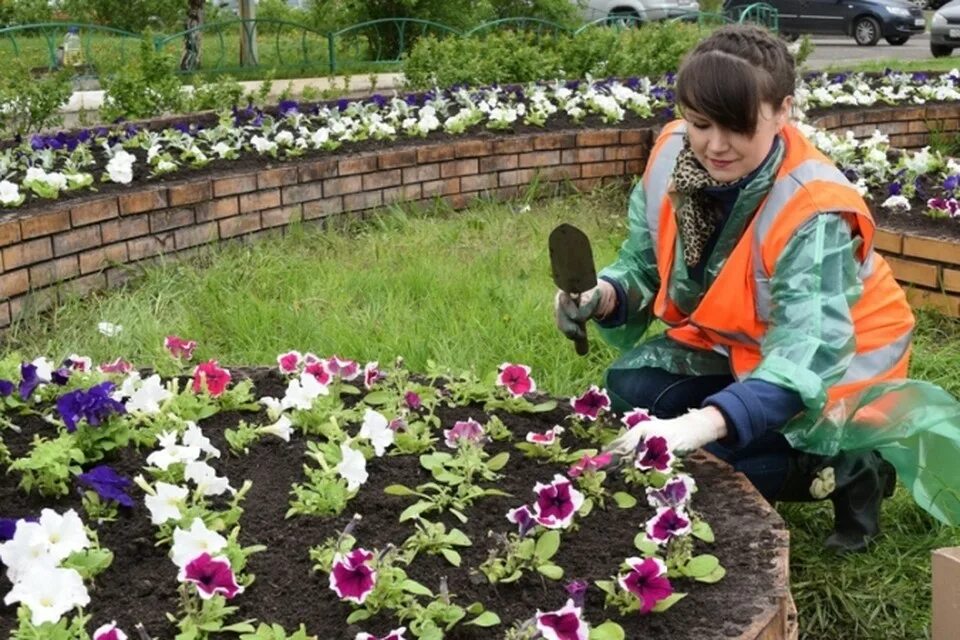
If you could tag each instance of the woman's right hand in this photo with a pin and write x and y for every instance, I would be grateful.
(571, 313)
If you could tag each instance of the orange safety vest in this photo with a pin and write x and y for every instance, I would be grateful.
(807, 184)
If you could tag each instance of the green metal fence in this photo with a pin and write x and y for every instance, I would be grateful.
(40, 45)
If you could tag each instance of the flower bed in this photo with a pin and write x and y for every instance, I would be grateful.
(365, 440)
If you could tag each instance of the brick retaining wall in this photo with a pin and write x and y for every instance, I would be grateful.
(908, 126)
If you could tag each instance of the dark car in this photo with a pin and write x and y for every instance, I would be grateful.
(866, 20)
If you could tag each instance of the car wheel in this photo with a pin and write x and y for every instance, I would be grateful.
(940, 50)
(897, 40)
(624, 18)
(866, 31)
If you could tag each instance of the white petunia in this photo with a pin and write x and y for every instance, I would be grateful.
(272, 405)
(63, 534)
(193, 437)
(281, 429)
(44, 368)
(303, 391)
(190, 543)
(263, 145)
(896, 203)
(120, 167)
(165, 505)
(352, 467)
(375, 428)
(49, 592)
(28, 548)
(9, 193)
(205, 477)
(147, 397)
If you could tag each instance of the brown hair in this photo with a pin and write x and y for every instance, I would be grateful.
(732, 72)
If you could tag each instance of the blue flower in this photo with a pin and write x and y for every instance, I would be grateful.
(29, 380)
(8, 526)
(951, 183)
(60, 376)
(108, 484)
(182, 127)
(287, 107)
(6, 388)
(894, 188)
(342, 104)
(92, 405)
(919, 77)
(378, 100)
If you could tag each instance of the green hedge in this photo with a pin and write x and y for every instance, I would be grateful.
(518, 56)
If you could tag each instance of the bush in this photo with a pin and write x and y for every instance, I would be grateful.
(146, 87)
(279, 10)
(31, 103)
(25, 12)
(129, 15)
(511, 56)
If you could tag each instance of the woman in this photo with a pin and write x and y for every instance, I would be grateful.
(782, 321)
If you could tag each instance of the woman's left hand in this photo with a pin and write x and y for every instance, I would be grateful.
(684, 434)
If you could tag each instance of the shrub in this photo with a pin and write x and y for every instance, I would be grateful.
(31, 103)
(25, 12)
(130, 15)
(148, 86)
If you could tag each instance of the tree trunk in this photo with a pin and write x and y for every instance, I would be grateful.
(193, 39)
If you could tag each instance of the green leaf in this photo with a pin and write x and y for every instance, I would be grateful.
(550, 570)
(586, 507)
(714, 576)
(475, 609)
(624, 500)
(513, 577)
(444, 476)
(485, 619)
(376, 398)
(498, 461)
(414, 587)
(432, 460)
(458, 538)
(239, 627)
(415, 509)
(700, 566)
(607, 586)
(452, 556)
(398, 490)
(543, 407)
(547, 545)
(645, 545)
(668, 602)
(702, 530)
(607, 631)
(358, 616)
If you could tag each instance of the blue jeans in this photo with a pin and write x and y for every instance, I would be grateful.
(765, 460)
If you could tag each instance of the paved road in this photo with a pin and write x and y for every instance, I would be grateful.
(831, 51)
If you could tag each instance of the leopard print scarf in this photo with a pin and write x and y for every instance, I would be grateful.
(697, 215)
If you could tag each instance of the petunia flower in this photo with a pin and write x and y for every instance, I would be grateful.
(468, 430)
(589, 463)
(78, 363)
(6, 388)
(557, 503)
(395, 634)
(206, 479)
(412, 400)
(93, 405)
(523, 517)
(577, 590)
(516, 379)
(109, 632)
(591, 404)
(48, 592)
(635, 417)
(282, 429)
(546, 438)
(179, 348)
(62, 534)
(147, 395)
(117, 366)
(371, 373)
(345, 369)
(647, 580)
(302, 391)
(675, 493)
(108, 484)
(165, 505)
(565, 623)
(211, 378)
(211, 575)
(352, 467)
(352, 576)
(27, 548)
(193, 437)
(376, 429)
(667, 524)
(30, 379)
(171, 453)
(289, 362)
(317, 367)
(191, 543)
(653, 453)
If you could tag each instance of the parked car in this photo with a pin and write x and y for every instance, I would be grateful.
(866, 20)
(637, 10)
(945, 30)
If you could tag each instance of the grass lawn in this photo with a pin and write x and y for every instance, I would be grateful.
(471, 290)
(929, 64)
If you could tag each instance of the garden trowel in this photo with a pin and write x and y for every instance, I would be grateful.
(571, 261)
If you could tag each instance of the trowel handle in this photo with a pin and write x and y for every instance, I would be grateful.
(583, 347)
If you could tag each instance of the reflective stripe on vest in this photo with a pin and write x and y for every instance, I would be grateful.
(656, 180)
(784, 189)
(871, 364)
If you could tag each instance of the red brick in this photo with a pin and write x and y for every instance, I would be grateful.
(634, 167)
(406, 193)
(597, 138)
(9, 231)
(318, 170)
(341, 186)
(917, 127)
(357, 164)
(459, 168)
(636, 136)
(189, 192)
(76, 240)
(53, 271)
(322, 208)
(539, 159)
(623, 153)
(459, 200)
(234, 185)
(14, 283)
(599, 169)
(195, 235)
(362, 200)
(261, 200)
(592, 154)
(281, 216)
(276, 177)
(124, 228)
(499, 163)
(29, 252)
(435, 153)
(44, 224)
(215, 209)
(117, 276)
(95, 211)
(517, 144)
(559, 172)
(505, 193)
(421, 173)
(513, 178)
(587, 184)
(473, 148)
(849, 118)
(140, 201)
(478, 182)
(396, 159)
(4, 314)
(97, 259)
(382, 179)
(441, 187)
(302, 192)
(149, 246)
(170, 219)
(554, 141)
(82, 286)
(237, 225)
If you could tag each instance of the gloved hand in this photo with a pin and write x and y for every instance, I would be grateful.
(686, 433)
(598, 303)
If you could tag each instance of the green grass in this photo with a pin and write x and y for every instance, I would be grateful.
(473, 289)
(928, 64)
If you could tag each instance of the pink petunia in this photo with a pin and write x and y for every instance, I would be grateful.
(211, 575)
(109, 632)
(653, 454)
(648, 581)
(667, 524)
(289, 362)
(564, 624)
(396, 634)
(117, 366)
(318, 369)
(179, 348)
(468, 430)
(591, 404)
(516, 378)
(635, 417)
(345, 369)
(675, 493)
(557, 503)
(412, 400)
(210, 377)
(371, 373)
(589, 463)
(352, 577)
(546, 438)
(523, 517)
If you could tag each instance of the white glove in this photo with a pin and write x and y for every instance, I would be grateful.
(598, 303)
(686, 433)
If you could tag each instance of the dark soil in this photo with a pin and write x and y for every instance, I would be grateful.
(140, 586)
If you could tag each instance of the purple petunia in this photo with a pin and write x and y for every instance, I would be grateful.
(93, 405)
(676, 493)
(667, 524)
(352, 577)
(564, 624)
(108, 484)
(523, 518)
(591, 404)
(577, 590)
(648, 581)
(29, 380)
(653, 454)
(557, 503)
(6, 388)
(212, 576)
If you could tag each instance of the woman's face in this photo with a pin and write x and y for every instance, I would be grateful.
(728, 156)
